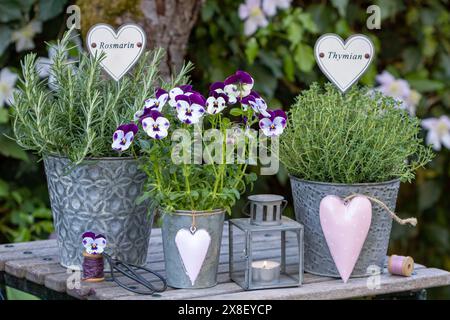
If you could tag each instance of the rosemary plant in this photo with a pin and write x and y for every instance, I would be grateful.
(77, 118)
(356, 137)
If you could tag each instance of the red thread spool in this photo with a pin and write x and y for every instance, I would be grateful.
(400, 265)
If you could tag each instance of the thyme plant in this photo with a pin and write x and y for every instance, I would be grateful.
(77, 117)
(356, 137)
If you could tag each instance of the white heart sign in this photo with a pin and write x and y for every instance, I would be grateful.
(343, 63)
(193, 248)
(122, 48)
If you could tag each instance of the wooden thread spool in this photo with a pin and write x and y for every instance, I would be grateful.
(400, 265)
(93, 265)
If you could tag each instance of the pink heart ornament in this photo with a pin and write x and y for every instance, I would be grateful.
(345, 226)
(192, 248)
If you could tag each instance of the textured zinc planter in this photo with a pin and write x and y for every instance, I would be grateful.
(99, 195)
(307, 196)
(176, 273)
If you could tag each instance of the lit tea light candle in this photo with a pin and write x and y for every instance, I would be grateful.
(265, 271)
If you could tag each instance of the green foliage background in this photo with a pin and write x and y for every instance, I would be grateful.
(413, 43)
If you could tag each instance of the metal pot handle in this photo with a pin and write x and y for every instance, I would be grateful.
(283, 205)
(244, 211)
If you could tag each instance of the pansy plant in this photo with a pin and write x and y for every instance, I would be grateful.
(189, 107)
(179, 181)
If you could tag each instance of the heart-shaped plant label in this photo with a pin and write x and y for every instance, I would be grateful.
(193, 247)
(122, 48)
(343, 63)
(345, 227)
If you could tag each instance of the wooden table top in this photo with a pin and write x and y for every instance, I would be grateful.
(37, 262)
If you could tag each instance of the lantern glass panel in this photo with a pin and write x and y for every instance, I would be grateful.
(270, 257)
(238, 260)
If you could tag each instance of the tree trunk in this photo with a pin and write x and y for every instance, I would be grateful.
(167, 23)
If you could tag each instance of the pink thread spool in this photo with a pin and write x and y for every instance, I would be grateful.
(400, 265)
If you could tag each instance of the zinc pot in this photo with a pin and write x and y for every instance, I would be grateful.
(178, 274)
(99, 195)
(318, 260)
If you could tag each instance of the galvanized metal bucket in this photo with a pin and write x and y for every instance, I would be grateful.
(211, 222)
(99, 195)
(307, 196)
(265, 209)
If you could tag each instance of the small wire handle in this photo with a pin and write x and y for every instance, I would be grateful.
(243, 210)
(284, 204)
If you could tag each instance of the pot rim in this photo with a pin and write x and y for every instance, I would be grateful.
(362, 184)
(92, 158)
(193, 212)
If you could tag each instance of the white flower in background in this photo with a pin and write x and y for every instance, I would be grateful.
(7, 82)
(400, 90)
(411, 102)
(24, 36)
(270, 6)
(44, 65)
(438, 132)
(254, 17)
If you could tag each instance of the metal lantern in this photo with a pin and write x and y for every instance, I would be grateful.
(263, 256)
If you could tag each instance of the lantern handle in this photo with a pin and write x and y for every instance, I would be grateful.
(244, 209)
(283, 205)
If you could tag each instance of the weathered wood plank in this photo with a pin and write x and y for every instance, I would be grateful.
(19, 268)
(38, 273)
(13, 247)
(26, 254)
(356, 287)
(58, 281)
(27, 260)
(219, 290)
(106, 290)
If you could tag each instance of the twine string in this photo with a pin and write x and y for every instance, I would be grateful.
(195, 214)
(411, 221)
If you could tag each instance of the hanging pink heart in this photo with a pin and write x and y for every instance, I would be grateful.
(345, 226)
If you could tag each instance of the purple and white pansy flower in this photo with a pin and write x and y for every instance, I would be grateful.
(157, 103)
(257, 103)
(161, 97)
(155, 125)
(217, 87)
(274, 124)
(123, 136)
(238, 85)
(190, 108)
(92, 243)
(216, 102)
(177, 91)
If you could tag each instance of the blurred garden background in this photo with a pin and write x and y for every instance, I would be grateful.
(273, 40)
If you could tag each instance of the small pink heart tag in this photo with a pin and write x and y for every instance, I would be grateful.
(345, 226)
